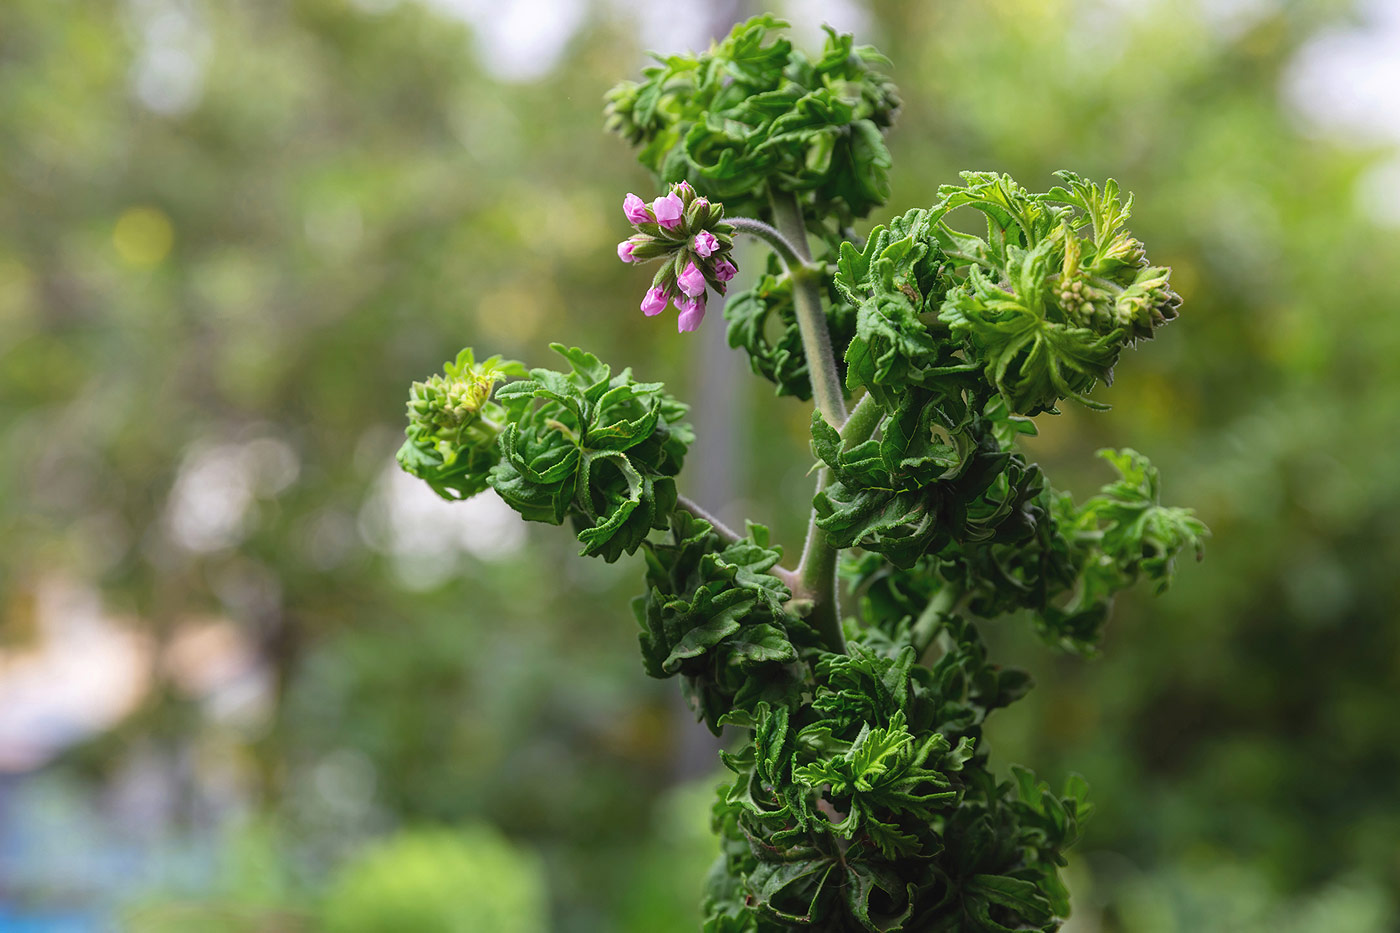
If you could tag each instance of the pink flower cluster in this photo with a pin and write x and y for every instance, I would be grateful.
(688, 233)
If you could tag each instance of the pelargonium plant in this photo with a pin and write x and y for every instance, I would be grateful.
(854, 683)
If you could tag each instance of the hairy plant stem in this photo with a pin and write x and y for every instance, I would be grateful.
(863, 420)
(827, 390)
(940, 606)
(785, 248)
(816, 571)
(816, 579)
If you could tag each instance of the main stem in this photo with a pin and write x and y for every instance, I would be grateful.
(815, 577)
(816, 571)
(811, 320)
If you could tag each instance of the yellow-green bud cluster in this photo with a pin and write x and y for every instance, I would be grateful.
(453, 425)
(448, 402)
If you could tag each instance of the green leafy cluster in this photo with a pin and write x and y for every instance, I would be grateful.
(716, 617)
(599, 449)
(753, 117)
(936, 475)
(1044, 304)
(753, 114)
(1061, 562)
(870, 807)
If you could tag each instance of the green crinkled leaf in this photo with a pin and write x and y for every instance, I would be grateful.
(1020, 897)
(596, 448)
(928, 482)
(721, 616)
(791, 891)
(761, 643)
(865, 881)
(715, 615)
(893, 281)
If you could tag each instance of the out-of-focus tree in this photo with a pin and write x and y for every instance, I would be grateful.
(229, 235)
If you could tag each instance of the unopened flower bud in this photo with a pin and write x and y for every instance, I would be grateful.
(705, 243)
(654, 302)
(693, 245)
(692, 312)
(447, 401)
(635, 209)
(692, 281)
(668, 210)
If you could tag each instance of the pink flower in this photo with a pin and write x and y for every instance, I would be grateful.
(683, 188)
(655, 302)
(668, 210)
(705, 243)
(635, 209)
(703, 204)
(725, 270)
(692, 281)
(624, 251)
(692, 313)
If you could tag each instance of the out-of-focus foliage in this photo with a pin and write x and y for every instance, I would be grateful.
(261, 265)
(257, 889)
(438, 881)
(211, 303)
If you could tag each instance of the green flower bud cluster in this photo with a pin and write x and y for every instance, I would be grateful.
(449, 401)
(453, 425)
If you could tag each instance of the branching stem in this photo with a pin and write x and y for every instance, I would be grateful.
(785, 248)
(811, 320)
(730, 536)
(726, 534)
(815, 577)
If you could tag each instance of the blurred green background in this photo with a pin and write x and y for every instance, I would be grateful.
(252, 679)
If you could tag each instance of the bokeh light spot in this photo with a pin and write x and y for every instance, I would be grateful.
(143, 236)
